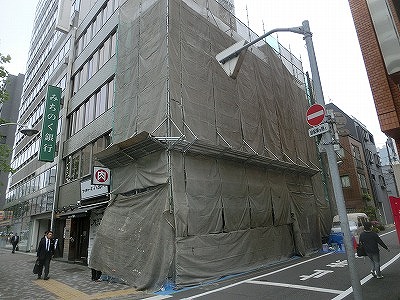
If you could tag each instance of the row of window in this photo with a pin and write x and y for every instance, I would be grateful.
(41, 204)
(33, 119)
(373, 158)
(94, 106)
(80, 163)
(42, 81)
(94, 62)
(34, 44)
(95, 25)
(30, 151)
(20, 158)
(361, 178)
(43, 56)
(31, 184)
(36, 205)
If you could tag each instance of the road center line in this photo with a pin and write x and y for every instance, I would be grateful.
(260, 276)
(296, 286)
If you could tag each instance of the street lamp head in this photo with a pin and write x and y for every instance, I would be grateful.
(28, 131)
(25, 129)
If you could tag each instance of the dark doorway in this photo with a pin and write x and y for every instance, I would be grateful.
(79, 240)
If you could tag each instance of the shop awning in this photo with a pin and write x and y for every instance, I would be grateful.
(81, 211)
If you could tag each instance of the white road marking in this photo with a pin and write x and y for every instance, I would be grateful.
(345, 293)
(317, 274)
(296, 286)
(366, 279)
(251, 279)
(338, 264)
(158, 297)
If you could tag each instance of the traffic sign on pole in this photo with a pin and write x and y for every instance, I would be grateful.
(315, 114)
(317, 130)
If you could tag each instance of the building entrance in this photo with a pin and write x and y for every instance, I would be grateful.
(79, 239)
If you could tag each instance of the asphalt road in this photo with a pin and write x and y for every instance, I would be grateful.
(318, 276)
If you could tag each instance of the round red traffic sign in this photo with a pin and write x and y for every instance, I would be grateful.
(315, 114)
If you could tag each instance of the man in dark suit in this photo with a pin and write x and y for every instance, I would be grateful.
(14, 241)
(45, 252)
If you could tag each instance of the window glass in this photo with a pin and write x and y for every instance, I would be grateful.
(49, 202)
(75, 162)
(107, 50)
(90, 68)
(85, 166)
(101, 56)
(53, 174)
(90, 110)
(67, 169)
(345, 181)
(75, 83)
(89, 33)
(113, 43)
(84, 74)
(95, 62)
(103, 97)
(363, 182)
(99, 20)
(99, 145)
(110, 98)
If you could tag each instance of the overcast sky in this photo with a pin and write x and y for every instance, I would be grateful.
(340, 63)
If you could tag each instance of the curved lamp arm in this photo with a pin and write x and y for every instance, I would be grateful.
(26, 130)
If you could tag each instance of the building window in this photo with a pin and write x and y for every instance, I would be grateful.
(345, 181)
(363, 183)
(80, 164)
(92, 108)
(357, 157)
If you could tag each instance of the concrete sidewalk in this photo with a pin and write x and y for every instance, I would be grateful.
(67, 281)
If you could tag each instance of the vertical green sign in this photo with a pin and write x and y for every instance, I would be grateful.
(50, 123)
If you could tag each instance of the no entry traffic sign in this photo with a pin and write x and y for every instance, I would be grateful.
(315, 114)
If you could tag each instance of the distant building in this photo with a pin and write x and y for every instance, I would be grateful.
(360, 167)
(389, 159)
(378, 25)
(9, 113)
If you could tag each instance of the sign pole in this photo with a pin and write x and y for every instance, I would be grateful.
(327, 142)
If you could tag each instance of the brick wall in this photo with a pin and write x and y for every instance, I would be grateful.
(384, 90)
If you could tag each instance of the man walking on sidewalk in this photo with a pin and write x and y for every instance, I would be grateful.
(45, 252)
(370, 241)
(14, 241)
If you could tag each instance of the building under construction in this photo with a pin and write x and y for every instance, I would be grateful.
(210, 175)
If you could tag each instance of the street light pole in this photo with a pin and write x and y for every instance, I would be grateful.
(326, 142)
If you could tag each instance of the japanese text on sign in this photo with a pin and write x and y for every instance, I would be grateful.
(50, 123)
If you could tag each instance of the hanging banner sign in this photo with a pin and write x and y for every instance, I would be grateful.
(50, 123)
